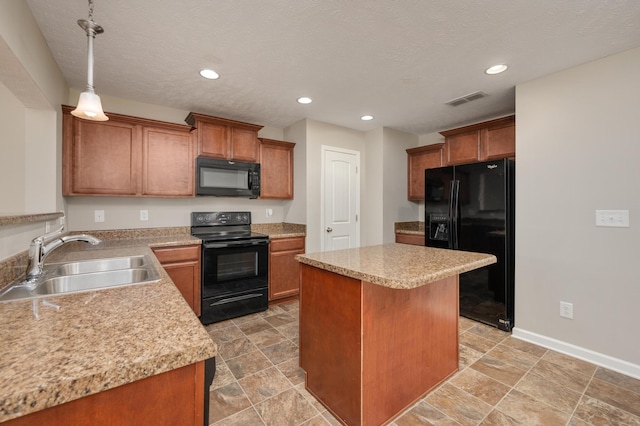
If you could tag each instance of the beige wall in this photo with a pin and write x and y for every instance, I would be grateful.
(578, 145)
(12, 149)
(372, 188)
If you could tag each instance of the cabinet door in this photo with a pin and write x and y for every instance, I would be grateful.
(183, 267)
(213, 140)
(168, 166)
(284, 269)
(414, 239)
(419, 159)
(101, 158)
(462, 148)
(276, 169)
(244, 145)
(498, 142)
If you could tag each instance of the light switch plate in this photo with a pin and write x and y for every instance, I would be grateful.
(144, 214)
(612, 218)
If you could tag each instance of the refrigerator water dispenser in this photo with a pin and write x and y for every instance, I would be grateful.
(439, 227)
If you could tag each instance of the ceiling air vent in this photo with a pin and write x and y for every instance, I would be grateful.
(466, 98)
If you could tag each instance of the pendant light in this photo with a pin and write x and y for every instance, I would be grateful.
(89, 105)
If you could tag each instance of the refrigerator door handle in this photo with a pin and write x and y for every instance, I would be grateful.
(455, 207)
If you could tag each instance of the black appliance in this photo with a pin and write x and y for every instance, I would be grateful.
(224, 178)
(471, 207)
(235, 263)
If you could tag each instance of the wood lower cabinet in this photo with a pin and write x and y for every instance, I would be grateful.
(276, 169)
(419, 159)
(126, 156)
(284, 269)
(489, 140)
(182, 264)
(417, 240)
(172, 398)
(225, 139)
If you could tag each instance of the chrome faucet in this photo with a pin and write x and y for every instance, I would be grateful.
(38, 251)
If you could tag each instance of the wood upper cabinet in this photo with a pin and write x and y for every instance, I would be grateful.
(182, 264)
(419, 159)
(284, 269)
(126, 156)
(484, 141)
(276, 169)
(225, 139)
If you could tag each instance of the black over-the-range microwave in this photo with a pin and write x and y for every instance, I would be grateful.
(224, 178)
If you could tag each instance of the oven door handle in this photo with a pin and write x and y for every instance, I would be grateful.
(236, 299)
(236, 244)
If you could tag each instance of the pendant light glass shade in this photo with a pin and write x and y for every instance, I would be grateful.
(89, 105)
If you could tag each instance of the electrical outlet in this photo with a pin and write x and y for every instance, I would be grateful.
(99, 215)
(269, 212)
(566, 310)
(144, 214)
(613, 218)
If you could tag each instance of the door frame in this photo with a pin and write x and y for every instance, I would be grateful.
(323, 226)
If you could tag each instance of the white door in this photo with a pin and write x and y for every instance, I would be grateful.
(340, 198)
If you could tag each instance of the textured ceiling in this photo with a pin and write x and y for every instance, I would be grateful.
(397, 60)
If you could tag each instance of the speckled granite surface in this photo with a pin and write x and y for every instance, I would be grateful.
(412, 228)
(14, 219)
(400, 266)
(96, 340)
(280, 230)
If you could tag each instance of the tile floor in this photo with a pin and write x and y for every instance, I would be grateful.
(501, 381)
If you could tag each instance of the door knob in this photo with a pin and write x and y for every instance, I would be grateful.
(329, 229)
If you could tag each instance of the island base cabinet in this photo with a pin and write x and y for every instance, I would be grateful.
(175, 397)
(369, 351)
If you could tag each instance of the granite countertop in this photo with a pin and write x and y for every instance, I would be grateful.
(411, 228)
(280, 230)
(97, 340)
(400, 266)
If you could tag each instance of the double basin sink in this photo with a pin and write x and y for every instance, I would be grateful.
(87, 275)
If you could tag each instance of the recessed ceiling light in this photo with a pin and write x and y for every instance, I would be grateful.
(210, 74)
(366, 117)
(496, 69)
(304, 100)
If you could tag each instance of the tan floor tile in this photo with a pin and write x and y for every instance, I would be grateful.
(459, 405)
(513, 356)
(254, 326)
(243, 418)
(596, 412)
(312, 400)
(480, 386)
(235, 348)
(614, 395)
(290, 306)
(468, 356)
(529, 411)
(318, 420)
(330, 418)
(226, 401)
(267, 337)
(476, 342)
(618, 379)
(523, 346)
(217, 325)
(489, 333)
(280, 319)
(560, 397)
(264, 384)
(577, 422)
(290, 331)
(424, 414)
(226, 334)
(499, 370)
(570, 363)
(281, 352)
(223, 375)
(292, 371)
(557, 374)
(496, 418)
(286, 408)
(248, 364)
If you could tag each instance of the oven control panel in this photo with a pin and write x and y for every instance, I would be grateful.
(220, 218)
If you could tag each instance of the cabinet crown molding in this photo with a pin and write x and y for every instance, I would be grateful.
(478, 126)
(425, 148)
(194, 116)
(66, 109)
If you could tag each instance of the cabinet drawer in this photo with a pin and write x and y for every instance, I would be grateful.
(284, 244)
(177, 254)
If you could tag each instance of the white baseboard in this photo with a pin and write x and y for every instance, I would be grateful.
(588, 355)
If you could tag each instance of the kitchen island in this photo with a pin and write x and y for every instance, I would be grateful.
(126, 355)
(379, 326)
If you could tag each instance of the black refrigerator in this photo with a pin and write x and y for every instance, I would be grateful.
(471, 207)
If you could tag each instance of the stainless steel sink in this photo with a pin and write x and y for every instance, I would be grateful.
(91, 281)
(87, 275)
(98, 265)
